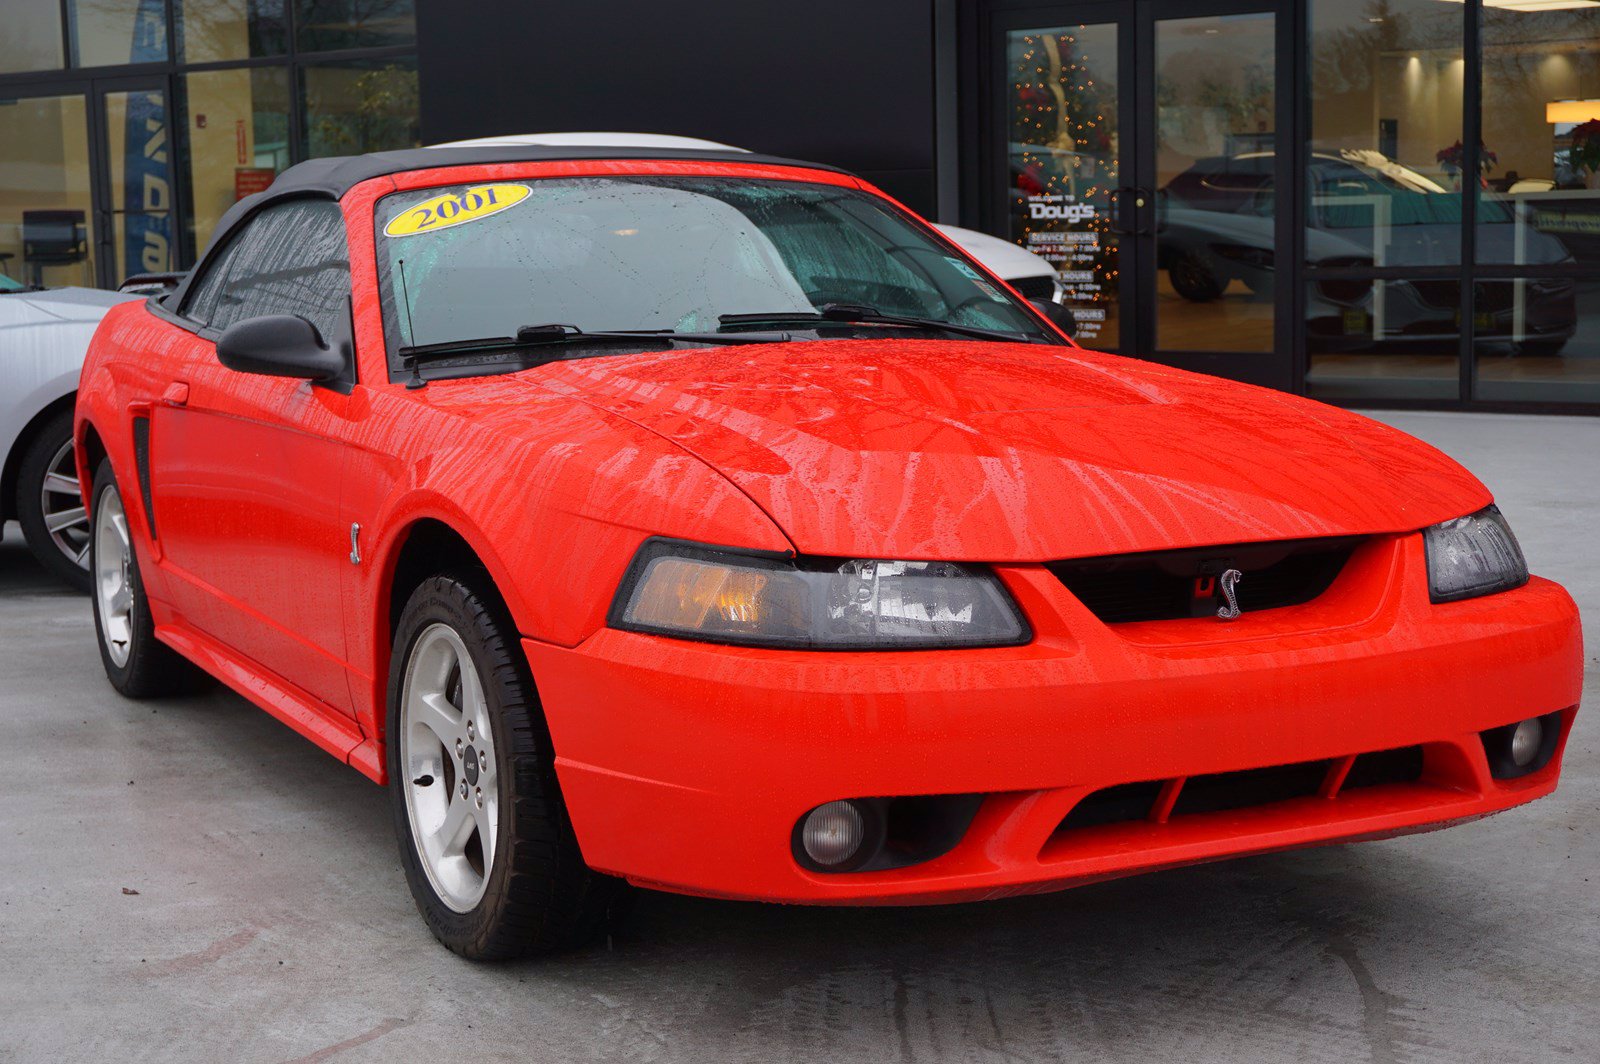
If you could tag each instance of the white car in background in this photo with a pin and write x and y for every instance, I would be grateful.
(1031, 275)
(44, 334)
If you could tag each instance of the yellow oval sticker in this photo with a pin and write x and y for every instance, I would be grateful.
(456, 208)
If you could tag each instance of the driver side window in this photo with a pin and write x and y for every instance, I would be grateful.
(291, 258)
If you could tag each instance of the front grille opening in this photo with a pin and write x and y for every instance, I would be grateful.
(921, 828)
(1256, 786)
(1035, 287)
(1114, 805)
(1385, 766)
(1246, 789)
(1170, 585)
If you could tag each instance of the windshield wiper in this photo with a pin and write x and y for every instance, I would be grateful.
(554, 334)
(856, 314)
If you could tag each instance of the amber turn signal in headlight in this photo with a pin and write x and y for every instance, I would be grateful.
(698, 592)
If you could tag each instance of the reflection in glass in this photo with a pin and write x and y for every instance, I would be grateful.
(360, 106)
(140, 153)
(1387, 159)
(1541, 86)
(324, 25)
(238, 122)
(1215, 152)
(31, 39)
(1383, 339)
(1538, 340)
(46, 235)
(1062, 102)
(116, 32)
(214, 30)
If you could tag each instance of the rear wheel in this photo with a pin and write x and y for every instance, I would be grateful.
(136, 664)
(49, 503)
(487, 847)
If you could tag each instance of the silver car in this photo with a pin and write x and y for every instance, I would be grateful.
(44, 334)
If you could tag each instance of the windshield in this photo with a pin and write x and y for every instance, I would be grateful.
(662, 253)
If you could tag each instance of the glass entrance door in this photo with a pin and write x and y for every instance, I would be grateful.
(1061, 158)
(1139, 151)
(136, 179)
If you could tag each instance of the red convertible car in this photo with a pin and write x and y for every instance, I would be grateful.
(711, 523)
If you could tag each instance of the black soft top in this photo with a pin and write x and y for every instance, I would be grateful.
(337, 175)
(332, 177)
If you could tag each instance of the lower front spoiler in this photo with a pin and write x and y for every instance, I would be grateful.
(1022, 843)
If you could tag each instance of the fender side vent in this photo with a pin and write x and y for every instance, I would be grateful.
(141, 462)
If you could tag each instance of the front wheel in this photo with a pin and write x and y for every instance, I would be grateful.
(485, 841)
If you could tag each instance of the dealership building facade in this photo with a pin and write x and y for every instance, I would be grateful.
(1369, 201)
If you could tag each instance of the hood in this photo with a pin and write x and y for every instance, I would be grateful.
(72, 304)
(1017, 452)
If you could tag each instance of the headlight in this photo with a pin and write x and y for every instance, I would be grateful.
(722, 596)
(1473, 555)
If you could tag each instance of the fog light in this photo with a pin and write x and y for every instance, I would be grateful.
(1527, 746)
(1526, 740)
(833, 833)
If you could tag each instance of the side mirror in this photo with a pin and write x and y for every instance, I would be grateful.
(279, 345)
(1060, 316)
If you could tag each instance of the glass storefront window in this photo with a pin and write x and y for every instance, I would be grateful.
(215, 30)
(1387, 80)
(1383, 339)
(31, 39)
(117, 32)
(323, 25)
(238, 122)
(46, 215)
(360, 106)
(1531, 343)
(1541, 107)
(1063, 164)
(1216, 151)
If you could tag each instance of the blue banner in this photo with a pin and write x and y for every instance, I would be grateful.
(146, 176)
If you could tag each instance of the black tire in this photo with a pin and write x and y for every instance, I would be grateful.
(1193, 279)
(539, 895)
(41, 452)
(152, 669)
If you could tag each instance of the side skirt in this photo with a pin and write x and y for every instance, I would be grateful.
(328, 728)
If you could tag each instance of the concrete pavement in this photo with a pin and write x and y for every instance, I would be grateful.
(271, 921)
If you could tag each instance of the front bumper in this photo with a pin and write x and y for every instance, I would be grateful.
(685, 766)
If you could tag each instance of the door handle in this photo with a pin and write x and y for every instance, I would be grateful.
(1141, 201)
(177, 394)
(1117, 210)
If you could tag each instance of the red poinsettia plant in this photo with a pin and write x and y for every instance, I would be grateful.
(1454, 158)
(1584, 155)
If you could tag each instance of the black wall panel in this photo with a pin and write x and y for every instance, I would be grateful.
(847, 82)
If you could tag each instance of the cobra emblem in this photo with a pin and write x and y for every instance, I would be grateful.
(1228, 580)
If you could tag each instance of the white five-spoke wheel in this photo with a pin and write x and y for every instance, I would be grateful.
(488, 849)
(113, 575)
(451, 784)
